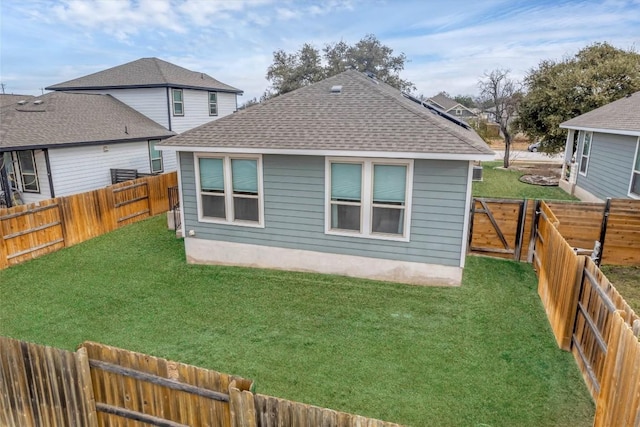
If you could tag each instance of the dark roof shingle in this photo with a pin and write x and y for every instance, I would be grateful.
(145, 72)
(367, 115)
(61, 118)
(621, 115)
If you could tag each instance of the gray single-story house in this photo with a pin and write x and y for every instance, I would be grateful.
(346, 176)
(607, 158)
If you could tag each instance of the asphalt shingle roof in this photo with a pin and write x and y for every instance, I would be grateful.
(73, 118)
(6, 99)
(145, 72)
(621, 115)
(445, 102)
(366, 115)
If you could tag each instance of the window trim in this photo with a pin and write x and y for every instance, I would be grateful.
(215, 104)
(228, 189)
(366, 211)
(174, 102)
(587, 157)
(151, 158)
(634, 171)
(34, 174)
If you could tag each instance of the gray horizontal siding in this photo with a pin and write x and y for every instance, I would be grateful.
(294, 212)
(610, 165)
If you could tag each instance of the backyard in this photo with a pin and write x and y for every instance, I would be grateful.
(480, 354)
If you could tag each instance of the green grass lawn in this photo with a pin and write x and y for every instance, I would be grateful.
(502, 183)
(478, 355)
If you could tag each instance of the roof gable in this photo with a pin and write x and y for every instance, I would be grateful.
(145, 72)
(622, 115)
(61, 118)
(364, 115)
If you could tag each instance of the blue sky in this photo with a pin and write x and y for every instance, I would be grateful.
(449, 44)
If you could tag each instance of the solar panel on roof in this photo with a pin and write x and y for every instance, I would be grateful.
(438, 111)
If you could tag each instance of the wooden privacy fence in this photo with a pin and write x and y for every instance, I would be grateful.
(29, 231)
(503, 228)
(99, 385)
(590, 318)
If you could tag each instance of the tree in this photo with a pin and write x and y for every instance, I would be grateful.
(466, 100)
(560, 90)
(292, 71)
(504, 95)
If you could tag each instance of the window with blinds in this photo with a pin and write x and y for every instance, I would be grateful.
(229, 189)
(369, 198)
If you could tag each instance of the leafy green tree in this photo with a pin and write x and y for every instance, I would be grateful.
(290, 71)
(503, 94)
(560, 90)
(466, 100)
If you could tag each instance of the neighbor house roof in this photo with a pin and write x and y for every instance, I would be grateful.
(447, 103)
(145, 72)
(364, 115)
(61, 118)
(7, 99)
(621, 117)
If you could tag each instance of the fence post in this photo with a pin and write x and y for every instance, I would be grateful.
(473, 209)
(522, 216)
(534, 230)
(603, 231)
(86, 385)
(242, 407)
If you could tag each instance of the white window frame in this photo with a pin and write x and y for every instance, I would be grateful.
(228, 189)
(29, 175)
(151, 146)
(366, 202)
(634, 171)
(174, 102)
(213, 104)
(587, 157)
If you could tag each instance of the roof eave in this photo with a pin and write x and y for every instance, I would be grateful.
(601, 130)
(82, 143)
(331, 153)
(156, 85)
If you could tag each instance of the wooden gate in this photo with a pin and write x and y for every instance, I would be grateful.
(497, 227)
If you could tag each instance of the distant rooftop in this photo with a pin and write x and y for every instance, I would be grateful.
(146, 72)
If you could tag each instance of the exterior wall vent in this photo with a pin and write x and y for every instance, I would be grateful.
(477, 173)
(336, 89)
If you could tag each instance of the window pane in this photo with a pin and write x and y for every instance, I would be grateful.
(26, 161)
(583, 164)
(244, 176)
(177, 108)
(213, 97)
(389, 184)
(635, 184)
(156, 165)
(213, 206)
(30, 182)
(345, 217)
(245, 209)
(211, 175)
(586, 147)
(177, 95)
(346, 181)
(637, 167)
(388, 220)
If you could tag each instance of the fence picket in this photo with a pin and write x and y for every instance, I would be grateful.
(29, 231)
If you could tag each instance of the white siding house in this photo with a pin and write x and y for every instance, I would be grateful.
(44, 152)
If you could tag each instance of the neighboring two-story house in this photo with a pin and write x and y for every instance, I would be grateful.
(67, 141)
(177, 98)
